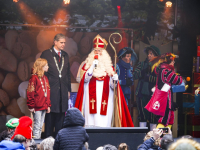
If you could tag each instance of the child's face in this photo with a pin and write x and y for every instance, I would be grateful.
(27, 144)
(45, 68)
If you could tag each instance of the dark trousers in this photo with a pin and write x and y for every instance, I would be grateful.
(143, 114)
(53, 120)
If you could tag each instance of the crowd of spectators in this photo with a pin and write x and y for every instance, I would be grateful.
(73, 136)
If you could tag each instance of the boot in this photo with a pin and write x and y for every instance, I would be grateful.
(160, 125)
(170, 126)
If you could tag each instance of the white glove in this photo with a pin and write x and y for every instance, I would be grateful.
(115, 77)
(197, 91)
(90, 70)
(153, 89)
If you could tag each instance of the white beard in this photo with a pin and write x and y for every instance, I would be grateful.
(104, 66)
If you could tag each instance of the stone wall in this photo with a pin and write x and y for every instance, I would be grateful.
(19, 50)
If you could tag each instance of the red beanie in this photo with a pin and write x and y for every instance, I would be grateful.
(24, 128)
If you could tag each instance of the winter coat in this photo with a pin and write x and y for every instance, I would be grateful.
(35, 94)
(5, 135)
(73, 135)
(10, 145)
(149, 145)
(59, 86)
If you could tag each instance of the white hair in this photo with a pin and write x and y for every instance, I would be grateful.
(104, 66)
(100, 148)
(47, 144)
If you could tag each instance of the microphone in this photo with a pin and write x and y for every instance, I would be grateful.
(95, 57)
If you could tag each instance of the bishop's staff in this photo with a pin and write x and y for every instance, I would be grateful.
(113, 38)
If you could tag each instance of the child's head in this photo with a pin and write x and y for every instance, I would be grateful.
(123, 146)
(12, 124)
(149, 135)
(21, 139)
(24, 128)
(40, 66)
(23, 132)
(47, 144)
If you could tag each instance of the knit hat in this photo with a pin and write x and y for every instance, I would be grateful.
(24, 128)
(154, 49)
(12, 123)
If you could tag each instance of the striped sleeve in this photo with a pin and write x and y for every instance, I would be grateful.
(171, 77)
(152, 79)
(137, 72)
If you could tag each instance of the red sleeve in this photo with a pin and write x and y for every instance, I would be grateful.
(31, 92)
(48, 97)
(172, 77)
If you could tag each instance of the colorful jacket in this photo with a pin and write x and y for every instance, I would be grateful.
(124, 71)
(167, 75)
(35, 95)
(147, 80)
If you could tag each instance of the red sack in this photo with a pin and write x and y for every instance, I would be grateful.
(158, 102)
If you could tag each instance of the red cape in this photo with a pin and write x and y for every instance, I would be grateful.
(121, 118)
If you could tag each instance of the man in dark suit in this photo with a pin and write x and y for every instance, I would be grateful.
(60, 84)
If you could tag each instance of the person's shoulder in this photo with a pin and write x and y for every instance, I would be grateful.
(63, 52)
(47, 51)
(33, 77)
(11, 145)
(45, 77)
(139, 63)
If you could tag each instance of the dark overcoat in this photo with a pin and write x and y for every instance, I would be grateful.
(59, 87)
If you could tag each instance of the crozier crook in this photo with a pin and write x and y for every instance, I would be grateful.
(115, 61)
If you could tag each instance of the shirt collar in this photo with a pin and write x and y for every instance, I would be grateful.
(56, 50)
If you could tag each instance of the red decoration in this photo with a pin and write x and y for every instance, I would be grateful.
(198, 51)
(193, 124)
(99, 42)
(196, 82)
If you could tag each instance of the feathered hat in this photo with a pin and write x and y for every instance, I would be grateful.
(160, 59)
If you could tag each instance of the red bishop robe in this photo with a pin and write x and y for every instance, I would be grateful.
(95, 101)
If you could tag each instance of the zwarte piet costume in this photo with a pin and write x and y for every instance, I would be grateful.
(125, 72)
(146, 81)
